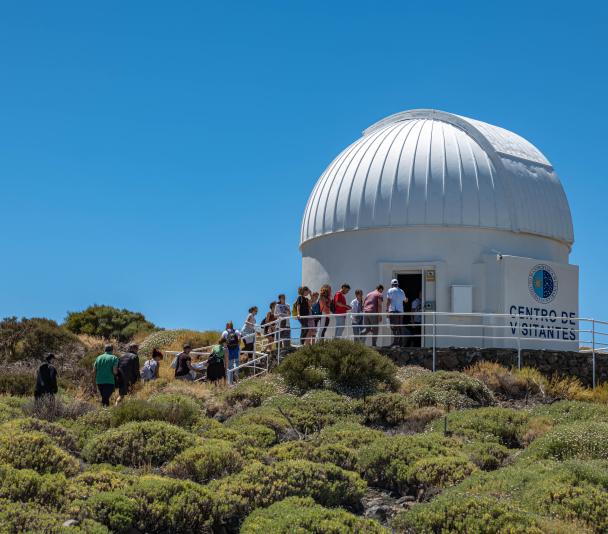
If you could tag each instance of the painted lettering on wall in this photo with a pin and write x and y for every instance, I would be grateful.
(542, 323)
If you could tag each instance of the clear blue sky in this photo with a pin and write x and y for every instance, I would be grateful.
(158, 155)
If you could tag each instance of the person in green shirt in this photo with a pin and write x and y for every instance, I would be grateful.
(106, 369)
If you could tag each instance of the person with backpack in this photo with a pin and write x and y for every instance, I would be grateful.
(325, 306)
(302, 312)
(283, 312)
(216, 363)
(151, 367)
(106, 369)
(128, 371)
(340, 309)
(232, 338)
(46, 379)
(183, 364)
(248, 332)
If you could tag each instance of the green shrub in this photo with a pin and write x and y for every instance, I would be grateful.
(62, 437)
(349, 434)
(89, 425)
(29, 339)
(18, 517)
(138, 444)
(447, 389)
(462, 515)
(17, 383)
(8, 412)
(297, 514)
(386, 409)
(583, 440)
(260, 485)
(250, 393)
(502, 425)
(333, 453)
(25, 485)
(107, 322)
(572, 411)
(112, 509)
(439, 471)
(341, 365)
(213, 459)
(392, 462)
(169, 407)
(35, 450)
(58, 407)
(487, 456)
(96, 479)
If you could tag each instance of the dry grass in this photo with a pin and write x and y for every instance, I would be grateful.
(537, 426)
(499, 379)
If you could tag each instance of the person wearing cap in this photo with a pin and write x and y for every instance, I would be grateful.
(128, 371)
(46, 378)
(106, 370)
(340, 309)
(395, 299)
(183, 367)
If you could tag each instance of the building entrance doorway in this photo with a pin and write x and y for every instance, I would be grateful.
(411, 283)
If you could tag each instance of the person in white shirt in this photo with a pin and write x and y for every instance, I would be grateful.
(356, 309)
(395, 299)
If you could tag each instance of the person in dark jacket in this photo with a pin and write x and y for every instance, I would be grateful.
(128, 371)
(46, 378)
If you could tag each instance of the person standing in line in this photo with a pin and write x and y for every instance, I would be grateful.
(248, 332)
(183, 364)
(340, 309)
(46, 379)
(302, 313)
(232, 338)
(372, 305)
(315, 309)
(106, 370)
(216, 364)
(150, 369)
(356, 308)
(325, 309)
(417, 321)
(395, 299)
(284, 313)
(269, 324)
(128, 371)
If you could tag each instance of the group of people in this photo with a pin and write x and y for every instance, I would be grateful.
(313, 310)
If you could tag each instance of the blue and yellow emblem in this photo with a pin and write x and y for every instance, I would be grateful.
(542, 283)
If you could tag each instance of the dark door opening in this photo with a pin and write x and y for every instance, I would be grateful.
(411, 284)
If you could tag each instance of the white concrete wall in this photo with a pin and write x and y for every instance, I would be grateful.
(459, 256)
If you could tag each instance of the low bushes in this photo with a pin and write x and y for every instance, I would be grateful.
(572, 411)
(138, 444)
(487, 456)
(61, 436)
(585, 440)
(503, 425)
(349, 434)
(35, 450)
(393, 462)
(447, 389)
(26, 485)
(212, 459)
(58, 407)
(9, 412)
(386, 409)
(297, 514)
(340, 365)
(501, 380)
(17, 383)
(171, 408)
(250, 393)
(112, 509)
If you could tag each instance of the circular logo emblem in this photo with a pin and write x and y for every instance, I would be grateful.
(542, 283)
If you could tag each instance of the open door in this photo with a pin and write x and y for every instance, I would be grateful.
(411, 283)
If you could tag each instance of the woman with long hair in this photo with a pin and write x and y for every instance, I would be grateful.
(248, 332)
(324, 304)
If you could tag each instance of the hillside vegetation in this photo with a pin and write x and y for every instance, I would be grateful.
(336, 440)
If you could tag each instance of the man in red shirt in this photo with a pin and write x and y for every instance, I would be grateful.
(373, 305)
(340, 309)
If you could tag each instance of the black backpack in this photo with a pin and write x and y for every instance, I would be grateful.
(232, 339)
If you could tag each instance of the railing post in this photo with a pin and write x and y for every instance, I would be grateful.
(593, 354)
(278, 341)
(518, 342)
(434, 338)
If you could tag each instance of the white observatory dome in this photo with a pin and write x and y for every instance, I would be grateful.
(427, 168)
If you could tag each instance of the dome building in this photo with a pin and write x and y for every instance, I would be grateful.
(469, 215)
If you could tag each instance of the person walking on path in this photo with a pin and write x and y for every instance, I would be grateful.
(395, 299)
(356, 308)
(325, 308)
(284, 313)
(315, 309)
(248, 332)
(151, 367)
(340, 309)
(128, 371)
(232, 338)
(372, 305)
(302, 313)
(216, 364)
(106, 370)
(46, 379)
(183, 364)
(269, 324)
